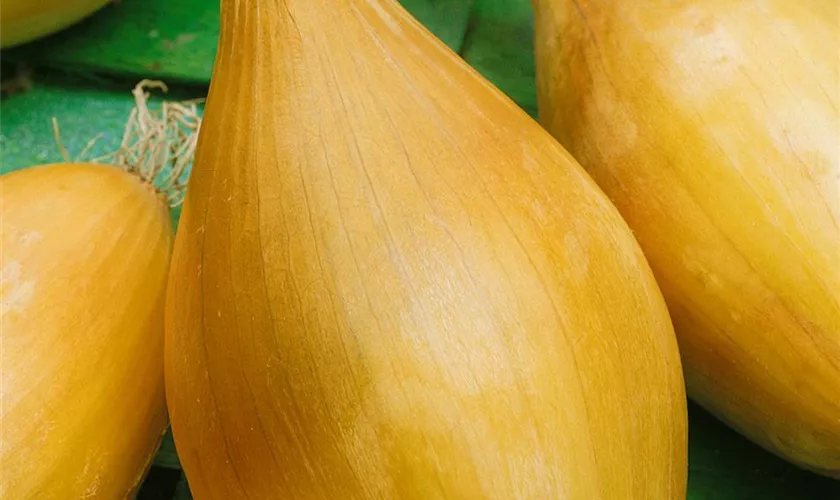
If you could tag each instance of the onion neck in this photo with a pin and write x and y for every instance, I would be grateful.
(315, 13)
(295, 27)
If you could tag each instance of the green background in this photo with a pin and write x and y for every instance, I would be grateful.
(83, 77)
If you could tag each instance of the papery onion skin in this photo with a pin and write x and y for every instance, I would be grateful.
(390, 283)
(714, 127)
(84, 255)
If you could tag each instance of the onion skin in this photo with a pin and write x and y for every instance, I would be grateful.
(714, 127)
(84, 255)
(23, 21)
(390, 283)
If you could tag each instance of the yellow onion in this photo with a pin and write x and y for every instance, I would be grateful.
(22, 21)
(714, 127)
(84, 257)
(390, 283)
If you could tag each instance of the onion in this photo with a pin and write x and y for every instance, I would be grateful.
(389, 282)
(714, 127)
(84, 256)
(22, 21)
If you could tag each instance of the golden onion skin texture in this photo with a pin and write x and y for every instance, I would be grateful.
(390, 283)
(714, 127)
(84, 255)
(22, 21)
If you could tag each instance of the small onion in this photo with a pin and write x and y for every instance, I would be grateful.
(84, 256)
(22, 21)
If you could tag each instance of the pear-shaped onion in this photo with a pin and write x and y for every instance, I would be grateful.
(390, 283)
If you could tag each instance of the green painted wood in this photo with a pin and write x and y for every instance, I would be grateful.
(84, 107)
(166, 456)
(176, 40)
(83, 111)
(182, 490)
(500, 44)
(447, 19)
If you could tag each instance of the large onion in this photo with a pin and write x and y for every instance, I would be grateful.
(390, 283)
(714, 127)
(84, 257)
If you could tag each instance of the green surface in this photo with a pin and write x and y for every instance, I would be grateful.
(82, 113)
(499, 44)
(95, 65)
(84, 108)
(172, 39)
